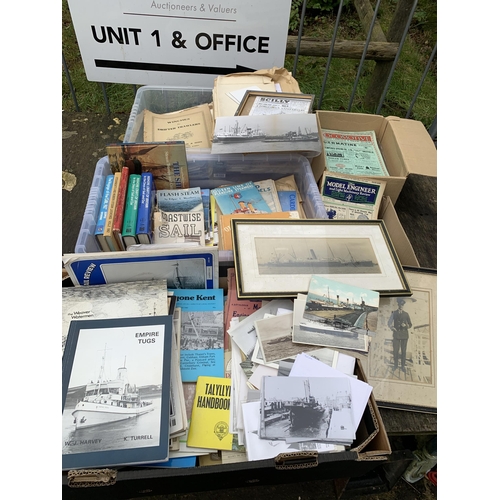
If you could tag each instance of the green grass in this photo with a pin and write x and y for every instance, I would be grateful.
(310, 70)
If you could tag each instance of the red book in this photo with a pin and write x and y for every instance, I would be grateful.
(120, 209)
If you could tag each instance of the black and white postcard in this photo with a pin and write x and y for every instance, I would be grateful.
(308, 409)
(116, 387)
(267, 134)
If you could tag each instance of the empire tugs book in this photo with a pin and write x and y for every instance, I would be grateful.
(109, 419)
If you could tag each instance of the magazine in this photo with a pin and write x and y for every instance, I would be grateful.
(353, 153)
(350, 198)
(242, 198)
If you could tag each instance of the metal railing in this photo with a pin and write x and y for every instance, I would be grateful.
(384, 69)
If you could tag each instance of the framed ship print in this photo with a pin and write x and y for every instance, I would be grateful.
(258, 102)
(401, 364)
(276, 258)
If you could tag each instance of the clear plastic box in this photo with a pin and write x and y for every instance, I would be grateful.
(210, 171)
(161, 100)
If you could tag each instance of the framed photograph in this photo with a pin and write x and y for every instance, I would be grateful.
(276, 258)
(258, 102)
(401, 364)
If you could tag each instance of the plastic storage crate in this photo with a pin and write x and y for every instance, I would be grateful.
(159, 99)
(210, 171)
(86, 242)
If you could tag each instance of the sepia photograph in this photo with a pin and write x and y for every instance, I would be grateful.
(275, 338)
(401, 365)
(358, 253)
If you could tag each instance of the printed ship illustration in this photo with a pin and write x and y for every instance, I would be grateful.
(108, 401)
(294, 136)
(239, 134)
(304, 410)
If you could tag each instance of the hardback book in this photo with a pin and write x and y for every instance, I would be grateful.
(209, 427)
(116, 392)
(108, 228)
(131, 209)
(179, 217)
(267, 188)
(116, 300)
(202, 333)
(103, 212)
(205, 197)
(166, 161)
(349, 197)
(242, 198)
(120, 209)
(224, 225)
(144, 229)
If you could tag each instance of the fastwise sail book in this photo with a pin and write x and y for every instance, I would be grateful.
(202, 333)
(103, 213)
(209, 427)
(240, 198)
(179, 217)
(116, 392)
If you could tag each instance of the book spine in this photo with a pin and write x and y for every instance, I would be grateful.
(120, 208)
(145, 210)
(108, 228)
(131, 209)
(103, 212)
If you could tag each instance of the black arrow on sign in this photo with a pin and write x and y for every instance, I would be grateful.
(171, 68)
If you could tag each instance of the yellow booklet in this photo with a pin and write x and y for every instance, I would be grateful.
(209, 427)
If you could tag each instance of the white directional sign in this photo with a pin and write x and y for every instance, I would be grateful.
(178, 44)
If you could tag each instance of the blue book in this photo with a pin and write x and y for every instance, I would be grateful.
(103, 213)
(144, 230)
(288, 200)
(202, 333)
(242, 198)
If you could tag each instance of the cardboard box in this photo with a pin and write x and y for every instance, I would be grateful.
(398, 236)
(370, 449)
(405, 144)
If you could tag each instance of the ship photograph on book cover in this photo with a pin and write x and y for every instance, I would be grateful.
(167, 161)
(202, 333)
(114, 409)
(196, 267)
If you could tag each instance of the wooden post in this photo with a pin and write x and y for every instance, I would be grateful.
(382, 69)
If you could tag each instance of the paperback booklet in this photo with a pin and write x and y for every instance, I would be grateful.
(202, 333)
(209, 427)
(351, 198)
(109, 419)
(242, 198)
(116, 300)
(166, 161)
(180, 216)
